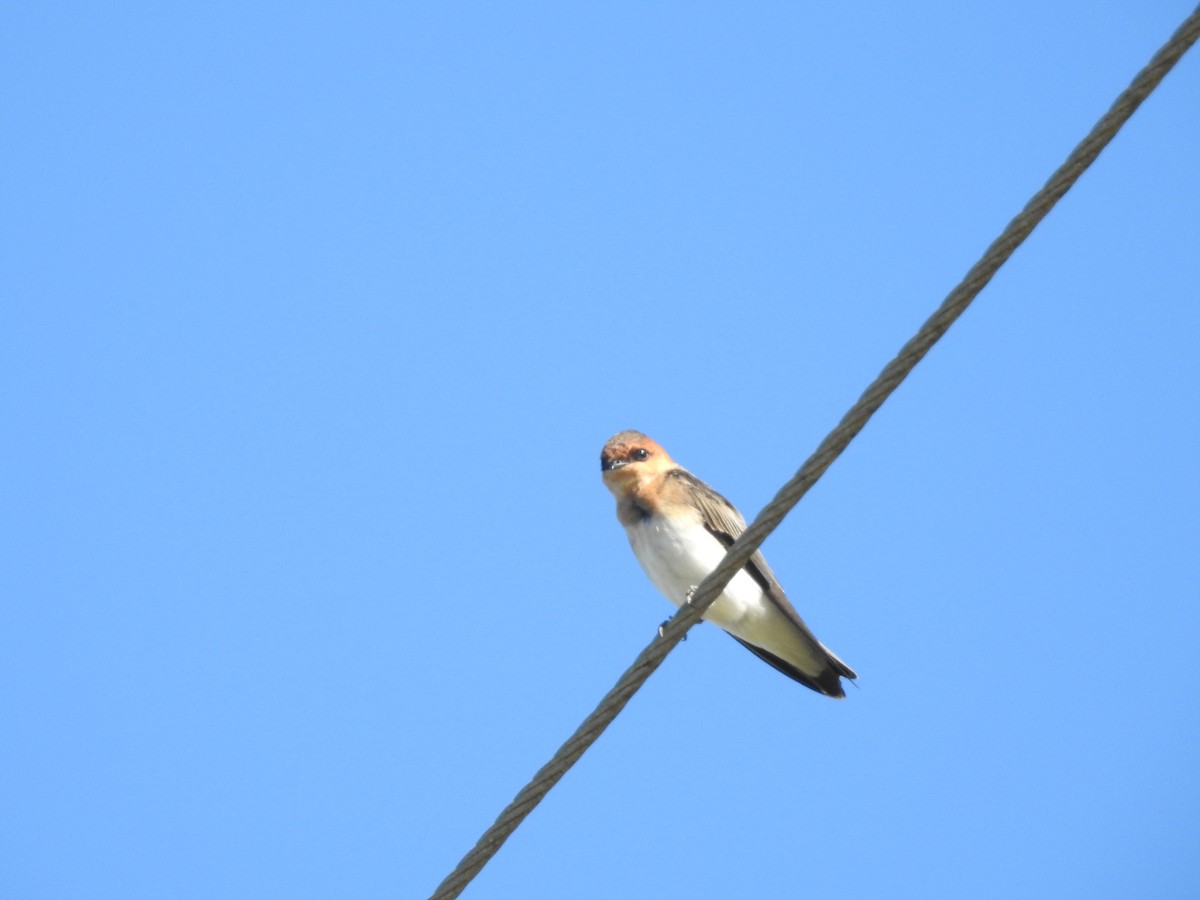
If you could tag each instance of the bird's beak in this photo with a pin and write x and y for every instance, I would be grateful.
(608, 465)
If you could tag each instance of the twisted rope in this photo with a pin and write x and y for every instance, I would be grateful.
(829, 449)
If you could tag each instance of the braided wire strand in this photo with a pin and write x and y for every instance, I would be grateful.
(827, 451)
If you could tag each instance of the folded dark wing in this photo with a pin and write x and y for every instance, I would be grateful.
(725, 523)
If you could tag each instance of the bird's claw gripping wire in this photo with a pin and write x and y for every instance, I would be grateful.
(662, 629)
(688, 600)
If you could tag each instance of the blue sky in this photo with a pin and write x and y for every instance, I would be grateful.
(317, 316)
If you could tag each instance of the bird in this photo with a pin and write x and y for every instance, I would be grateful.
(679, 529)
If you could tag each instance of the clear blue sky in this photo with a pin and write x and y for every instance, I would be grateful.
(316, 316)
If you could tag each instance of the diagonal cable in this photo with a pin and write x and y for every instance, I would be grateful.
(828, 450)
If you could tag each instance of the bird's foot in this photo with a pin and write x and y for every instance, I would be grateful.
(686, 599)
(662, 629)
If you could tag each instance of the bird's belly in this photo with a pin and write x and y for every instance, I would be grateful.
(678, 556)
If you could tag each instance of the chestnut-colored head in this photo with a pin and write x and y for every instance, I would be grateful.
(630, 458)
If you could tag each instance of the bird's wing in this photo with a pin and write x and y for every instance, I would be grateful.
(725, 523)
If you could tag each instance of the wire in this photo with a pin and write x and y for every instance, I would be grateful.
(829, 449)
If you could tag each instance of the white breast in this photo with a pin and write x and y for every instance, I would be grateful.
(677, 554)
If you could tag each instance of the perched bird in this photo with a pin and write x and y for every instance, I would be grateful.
(679, 529)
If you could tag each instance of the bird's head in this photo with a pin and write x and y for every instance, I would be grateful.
(629, 459)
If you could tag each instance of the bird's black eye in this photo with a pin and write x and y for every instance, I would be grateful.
(639, 454)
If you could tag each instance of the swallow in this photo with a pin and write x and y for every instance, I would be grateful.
(679, 529)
